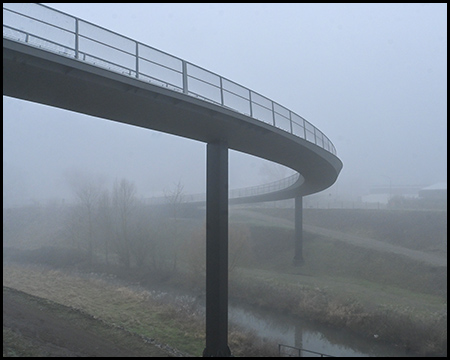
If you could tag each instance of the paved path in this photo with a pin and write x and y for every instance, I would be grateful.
(428, 258)
(432, 259)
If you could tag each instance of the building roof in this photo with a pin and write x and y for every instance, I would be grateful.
(437, 186)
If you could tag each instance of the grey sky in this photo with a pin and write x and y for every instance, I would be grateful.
(372, 77)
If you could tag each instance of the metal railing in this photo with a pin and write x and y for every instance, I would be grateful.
(264, 188)
(292, 351)
(241, 192)
(54, 31)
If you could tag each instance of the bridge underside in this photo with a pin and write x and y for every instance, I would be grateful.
(36, 75)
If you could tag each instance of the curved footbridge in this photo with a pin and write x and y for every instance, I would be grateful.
(56, 59)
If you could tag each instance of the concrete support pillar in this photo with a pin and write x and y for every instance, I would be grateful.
(217, 251)
(298, 257)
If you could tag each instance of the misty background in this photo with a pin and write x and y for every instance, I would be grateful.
(372, 77)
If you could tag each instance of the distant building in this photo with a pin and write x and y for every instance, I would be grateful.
(397, 190)
(382, 194)
(435, 191)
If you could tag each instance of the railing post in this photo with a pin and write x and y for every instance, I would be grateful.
(290, 121)
(304, 128)
(250, 102)
(221, 90)
(77, 54)
(273, 113)
(137, 60)
(185, 77)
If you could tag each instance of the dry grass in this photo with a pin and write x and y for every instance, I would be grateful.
(181, 327)
(401, 301)
(132, 310)
(423, 332)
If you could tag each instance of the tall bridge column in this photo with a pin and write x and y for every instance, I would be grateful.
(298, 257)
(217, 250)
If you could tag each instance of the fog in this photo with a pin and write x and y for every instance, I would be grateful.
(372, 77)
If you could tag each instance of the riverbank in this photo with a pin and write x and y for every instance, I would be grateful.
(181, 327)
(413, 321)
(176, 328)
(55, 330)
(374, 293)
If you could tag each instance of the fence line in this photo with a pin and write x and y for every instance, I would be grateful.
(299, 351)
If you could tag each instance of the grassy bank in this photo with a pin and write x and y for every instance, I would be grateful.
(424, 230)
(422, 332)
(134, 311)
(31, 340)
(366, 309)
(120, 306)
(400, 301)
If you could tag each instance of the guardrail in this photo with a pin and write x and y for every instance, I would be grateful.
(264, 188)
(235, 193)
(297, 352)
(54, 31)
(248, 191)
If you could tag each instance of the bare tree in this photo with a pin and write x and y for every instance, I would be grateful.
(74, 227)
(142, 241)
(105, 223)
(194, 252)
(87, 194)
(238, 246)
(175, 199)
(124, 201)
